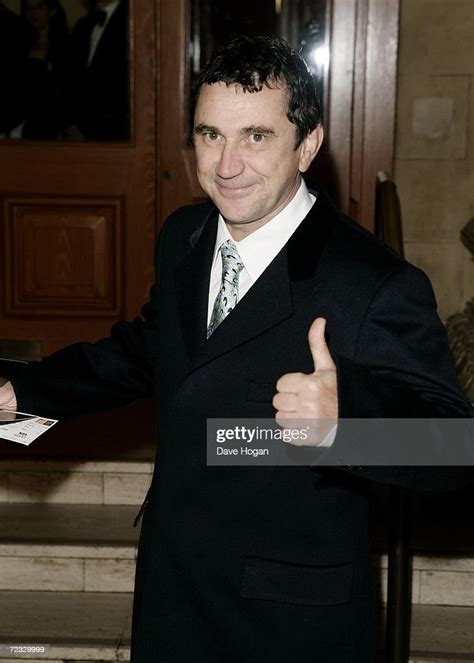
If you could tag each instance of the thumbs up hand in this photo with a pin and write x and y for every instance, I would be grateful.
(313, 396)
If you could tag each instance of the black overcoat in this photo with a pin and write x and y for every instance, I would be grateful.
(252, 564)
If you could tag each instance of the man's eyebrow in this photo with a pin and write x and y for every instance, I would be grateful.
(245, 131)
(205, 128)
(257, 129)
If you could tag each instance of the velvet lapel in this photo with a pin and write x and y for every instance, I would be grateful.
(306, 245)
(267, 303)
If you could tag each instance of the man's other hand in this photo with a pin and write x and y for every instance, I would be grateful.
(7, 395)
(311, 397)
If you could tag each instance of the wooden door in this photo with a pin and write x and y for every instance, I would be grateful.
(360, 105)
(78, 220)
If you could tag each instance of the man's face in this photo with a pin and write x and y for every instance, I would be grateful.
(37, 14)
(245, 151)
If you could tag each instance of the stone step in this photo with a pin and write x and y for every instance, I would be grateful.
(73, 626)
(92, 548)
(436, 579)
(441, 543)
(75, 548)
(74, 482)
(442, 634)
(96, 627)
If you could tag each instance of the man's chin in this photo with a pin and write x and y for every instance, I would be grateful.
(234, 211)
(236, 217)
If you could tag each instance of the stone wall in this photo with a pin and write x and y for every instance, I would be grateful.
(434, 147)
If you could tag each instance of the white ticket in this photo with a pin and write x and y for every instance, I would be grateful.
(23, 428)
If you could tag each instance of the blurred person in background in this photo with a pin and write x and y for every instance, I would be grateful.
(44, 72)
(99, 90)
(13, 50)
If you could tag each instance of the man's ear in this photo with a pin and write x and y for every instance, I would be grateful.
(310, 147)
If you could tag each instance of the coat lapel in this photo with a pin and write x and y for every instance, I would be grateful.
(305, 247)
(267, 303)
(192, 283)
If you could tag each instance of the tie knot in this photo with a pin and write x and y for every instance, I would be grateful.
(231, 261)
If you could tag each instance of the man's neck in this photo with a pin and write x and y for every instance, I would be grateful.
(239, 231)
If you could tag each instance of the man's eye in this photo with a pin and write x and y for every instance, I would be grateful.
(257, 138)
(211, 136)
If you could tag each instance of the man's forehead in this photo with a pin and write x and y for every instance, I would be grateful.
(236, 98)
(239, 88)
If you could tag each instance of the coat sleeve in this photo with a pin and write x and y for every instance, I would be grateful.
(401, 368)
(401, 365)
(89, 377)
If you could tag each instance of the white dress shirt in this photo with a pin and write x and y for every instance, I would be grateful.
(257, 251)
(98, 30)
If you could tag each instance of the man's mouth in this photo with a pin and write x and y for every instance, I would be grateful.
(233, 191)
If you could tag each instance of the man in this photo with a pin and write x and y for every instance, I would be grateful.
(100, 104)
(14, 46)
(259, 563)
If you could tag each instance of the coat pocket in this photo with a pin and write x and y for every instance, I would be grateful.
(284, 582)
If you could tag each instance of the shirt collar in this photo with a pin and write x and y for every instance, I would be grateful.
(259, 248)
(110, 8)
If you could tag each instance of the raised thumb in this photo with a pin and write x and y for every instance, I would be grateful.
(318, 346)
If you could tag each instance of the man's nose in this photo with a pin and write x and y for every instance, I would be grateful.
(230, 163)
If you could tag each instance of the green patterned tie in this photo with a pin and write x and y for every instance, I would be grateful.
(228, 295)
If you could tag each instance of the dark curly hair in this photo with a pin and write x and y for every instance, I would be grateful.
(253, 62)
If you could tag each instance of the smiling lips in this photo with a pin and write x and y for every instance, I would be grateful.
(234, 191)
